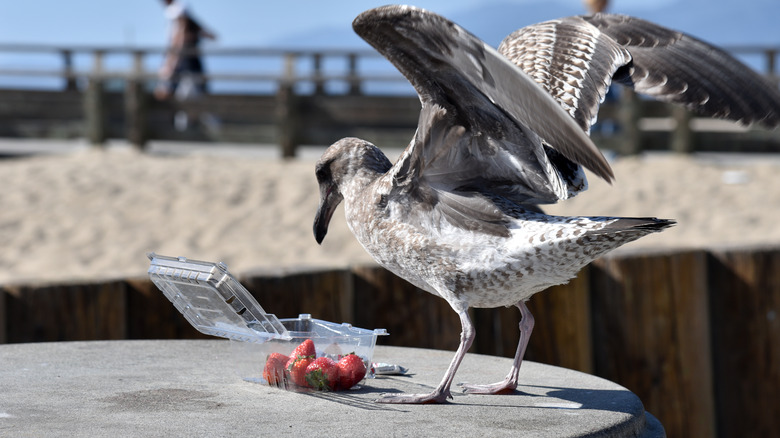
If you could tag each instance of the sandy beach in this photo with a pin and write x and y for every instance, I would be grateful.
(96, 213)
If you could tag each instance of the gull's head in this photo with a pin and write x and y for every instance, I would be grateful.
(345, 169)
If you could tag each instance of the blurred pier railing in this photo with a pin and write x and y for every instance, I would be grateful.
(306, 97)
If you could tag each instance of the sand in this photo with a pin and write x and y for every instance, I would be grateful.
(95, 214)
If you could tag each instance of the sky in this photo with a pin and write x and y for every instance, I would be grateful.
(320, 23)
(238, 22)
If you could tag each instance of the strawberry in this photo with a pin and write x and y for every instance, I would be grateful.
(351, 371)
(322, 374)
(274, 371)
(305, 349)
(296, 366)
(299, 359)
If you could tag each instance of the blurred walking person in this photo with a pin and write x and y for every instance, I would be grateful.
(182, 73)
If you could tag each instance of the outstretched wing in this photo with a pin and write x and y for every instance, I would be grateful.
(679, 68)
(576, 59)
(479, 90)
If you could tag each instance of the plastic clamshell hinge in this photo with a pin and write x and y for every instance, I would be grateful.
(213, 301)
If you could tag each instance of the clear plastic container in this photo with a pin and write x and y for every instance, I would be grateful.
(216, 304)
(330, 339)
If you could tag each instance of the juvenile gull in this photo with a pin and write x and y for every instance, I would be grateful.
(457, 214)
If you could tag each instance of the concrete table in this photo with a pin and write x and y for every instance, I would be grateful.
(178, 388)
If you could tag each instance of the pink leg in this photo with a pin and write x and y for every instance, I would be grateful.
(510, 382)
(442, 392)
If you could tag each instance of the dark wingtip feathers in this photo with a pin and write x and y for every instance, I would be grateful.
(649, 224)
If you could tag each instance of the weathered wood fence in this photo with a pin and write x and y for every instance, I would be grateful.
(696, 334)
(118, 104)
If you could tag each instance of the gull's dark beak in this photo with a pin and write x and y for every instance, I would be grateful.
(329, 200)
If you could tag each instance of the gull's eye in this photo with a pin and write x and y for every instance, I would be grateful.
(323, 172)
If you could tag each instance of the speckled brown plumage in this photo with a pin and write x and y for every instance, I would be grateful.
(457, 214)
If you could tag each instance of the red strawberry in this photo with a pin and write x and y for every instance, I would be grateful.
(274, 370)
(322, 374)
(299, 359)
(305, 349)
(351, 371)
(296, 366)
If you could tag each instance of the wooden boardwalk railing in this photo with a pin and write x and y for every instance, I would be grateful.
(302, 107)
(696, 334)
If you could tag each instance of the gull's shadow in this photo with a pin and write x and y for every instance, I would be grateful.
(611, 400)
(623, 401)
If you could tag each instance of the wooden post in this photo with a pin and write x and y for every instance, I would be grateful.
(745, 318)
(135, 103)
(75, 312)
(651, 335)
(94, 110)
(151, 315)
(771, 66)
(413, 317)
(682, 135)
(287, 110)
(67, 66)
(353, 78)
(562, 334)
(288, 294)
(319, 83)
(630, 136)
(3, 321)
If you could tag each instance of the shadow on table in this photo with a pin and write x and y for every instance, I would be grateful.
(598, 399)
(622, 401)
(611, 400)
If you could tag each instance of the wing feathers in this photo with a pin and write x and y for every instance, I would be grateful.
(662, 63)
(569, 58)
(500, 131)
(452, 68)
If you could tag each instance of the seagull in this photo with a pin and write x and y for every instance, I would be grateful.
(501, 132)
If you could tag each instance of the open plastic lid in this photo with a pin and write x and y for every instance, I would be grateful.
(213, 301)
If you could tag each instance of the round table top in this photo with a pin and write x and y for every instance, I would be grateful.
(172, 388)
